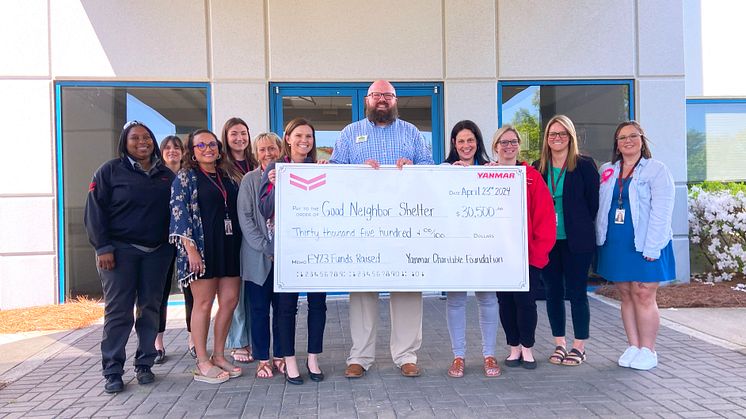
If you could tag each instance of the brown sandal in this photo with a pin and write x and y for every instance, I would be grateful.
(457, 368)
(279, 365)
(264, 370)
(560, 352)
(574, 358)
(242, 355)
(491, 369)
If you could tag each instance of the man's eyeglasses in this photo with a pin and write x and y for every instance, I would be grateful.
(506, 143)
(378, 95)
(631, 137)
(562, 134)
(204, 146)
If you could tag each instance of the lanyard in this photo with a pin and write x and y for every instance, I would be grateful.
(620, 179)
(559, 178)
(219, 185)
(242, 165)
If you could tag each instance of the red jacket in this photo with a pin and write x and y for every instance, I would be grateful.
(542, 222)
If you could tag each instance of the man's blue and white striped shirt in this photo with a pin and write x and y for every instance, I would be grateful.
(364, 140)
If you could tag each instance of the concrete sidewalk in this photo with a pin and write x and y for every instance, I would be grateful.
(701, 374)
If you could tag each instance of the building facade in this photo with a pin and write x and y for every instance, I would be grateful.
(75, 70)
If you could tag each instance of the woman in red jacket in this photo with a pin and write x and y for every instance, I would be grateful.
(518, 309)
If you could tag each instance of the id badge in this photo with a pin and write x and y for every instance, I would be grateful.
(619, 216)
(556, 219)
(228, 227)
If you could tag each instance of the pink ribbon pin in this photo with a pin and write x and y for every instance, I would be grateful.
(606, 174)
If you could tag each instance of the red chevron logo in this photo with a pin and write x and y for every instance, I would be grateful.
(308, 184)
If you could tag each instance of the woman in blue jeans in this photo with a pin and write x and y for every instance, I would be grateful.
(256, 260)
(298, 146)
(573, 183)
(467, 149)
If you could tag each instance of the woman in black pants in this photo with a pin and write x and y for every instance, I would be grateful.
(126, 217)
(573, 182)
(518, 309)
(172, 149)
(298, 146)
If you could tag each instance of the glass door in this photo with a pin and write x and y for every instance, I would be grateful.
(331, 106)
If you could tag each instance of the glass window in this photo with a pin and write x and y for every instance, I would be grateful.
(716, 139)
(595, 107)
(328, 114)
(90, 120)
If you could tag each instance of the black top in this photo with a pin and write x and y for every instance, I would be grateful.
(580, 204)
(222, 252)
(128, 205)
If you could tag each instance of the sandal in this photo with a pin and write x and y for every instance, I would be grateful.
(491, 369)
(232, 370)
(279, 365)
(457, 368)
(574, 358)
(215, 375)
(558, 357)
(264, 370)
(242, 355)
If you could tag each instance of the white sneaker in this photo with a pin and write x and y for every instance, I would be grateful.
(645, 360)
(628, 356)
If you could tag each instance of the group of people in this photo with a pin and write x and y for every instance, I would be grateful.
(204, 212)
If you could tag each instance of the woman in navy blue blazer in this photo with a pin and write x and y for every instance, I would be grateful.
(573, 182)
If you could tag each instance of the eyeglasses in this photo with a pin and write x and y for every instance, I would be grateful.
(379, 95)
(506, 143)
(631, 137)
(203, 146)
(562, 134)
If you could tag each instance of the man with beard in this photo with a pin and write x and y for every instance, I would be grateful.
(383, 138)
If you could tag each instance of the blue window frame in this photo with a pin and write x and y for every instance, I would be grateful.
(89, 117)
(331, 106)
(716, 139)
(596, 107)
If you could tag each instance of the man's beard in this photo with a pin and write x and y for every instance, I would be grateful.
(382, 116)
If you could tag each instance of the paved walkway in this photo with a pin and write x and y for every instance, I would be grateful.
(695, 379)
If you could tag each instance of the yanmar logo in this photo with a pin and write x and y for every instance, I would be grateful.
(495, 175)
(307, 184)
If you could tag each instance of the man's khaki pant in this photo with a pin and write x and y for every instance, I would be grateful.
(406, 327)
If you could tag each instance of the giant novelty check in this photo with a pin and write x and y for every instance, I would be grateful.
(422, 228)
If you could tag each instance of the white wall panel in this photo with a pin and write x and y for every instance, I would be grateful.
(36, 273)
(237, 39)
(24, 33)
(244, 100)
(25, 120)
(129, 39)
(355, 40)
(27, 225)
(662, 113)
(566, 39)
(475, 100)
(661, 41)
(470, 39)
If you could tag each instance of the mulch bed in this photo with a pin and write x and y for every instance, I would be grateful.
(693, 294)
(74, 314)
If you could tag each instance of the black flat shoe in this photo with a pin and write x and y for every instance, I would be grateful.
(313, 376)
(144, 375)
(160, 357)
(529, 365)
(294, 380)
(512, 363)
(114, 383)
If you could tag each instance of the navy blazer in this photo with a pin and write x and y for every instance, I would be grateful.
(580, 204)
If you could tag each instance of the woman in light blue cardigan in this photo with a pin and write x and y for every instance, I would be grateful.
(633, 230)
